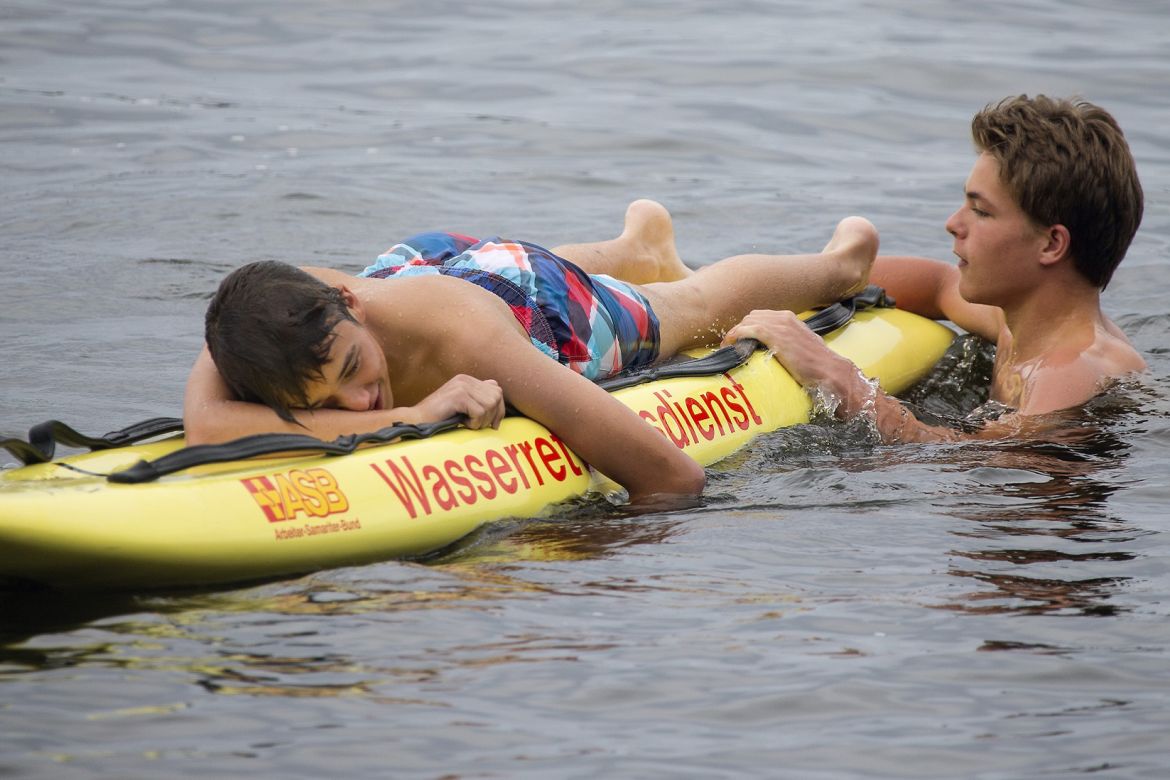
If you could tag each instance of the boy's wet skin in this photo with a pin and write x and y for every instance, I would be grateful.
(424, 346)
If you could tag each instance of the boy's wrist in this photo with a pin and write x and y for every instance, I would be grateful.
(406, 415)
(846, 382)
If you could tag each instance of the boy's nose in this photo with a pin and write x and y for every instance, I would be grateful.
(954, 224)
(358, 399)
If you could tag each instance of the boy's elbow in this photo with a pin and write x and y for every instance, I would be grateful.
(688, 480)
(698, 481)
(195, 433)
(677, 479)
(202, 431)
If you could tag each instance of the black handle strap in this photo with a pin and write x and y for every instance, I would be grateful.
(824, 321)
(717, 362)
(44, 437)
(271, 444)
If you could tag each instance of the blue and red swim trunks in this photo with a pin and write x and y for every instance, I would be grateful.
(594, 324)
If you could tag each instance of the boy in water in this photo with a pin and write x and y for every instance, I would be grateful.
(1051, 206)
(445, 324)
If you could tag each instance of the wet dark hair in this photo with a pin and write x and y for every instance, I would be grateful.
(269, 329)
(1066, 162)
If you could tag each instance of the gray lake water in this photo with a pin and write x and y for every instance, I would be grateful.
(834, 609)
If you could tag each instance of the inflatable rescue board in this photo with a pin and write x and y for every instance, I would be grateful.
(148, 515)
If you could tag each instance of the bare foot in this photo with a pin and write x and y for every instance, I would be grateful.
(854, 247)
(650, 231)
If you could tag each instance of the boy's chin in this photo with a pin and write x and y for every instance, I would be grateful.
(967, 291)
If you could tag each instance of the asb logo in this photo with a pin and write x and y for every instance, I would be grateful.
(312, 492)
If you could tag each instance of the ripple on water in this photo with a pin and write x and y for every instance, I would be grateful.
(833, 608)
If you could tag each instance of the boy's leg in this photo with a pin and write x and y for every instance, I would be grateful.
(698, 310)
(642, 254)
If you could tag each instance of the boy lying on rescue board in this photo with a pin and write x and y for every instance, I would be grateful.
(1050, 208)
(445, 324)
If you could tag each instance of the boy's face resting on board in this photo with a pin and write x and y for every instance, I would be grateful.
(355, 376)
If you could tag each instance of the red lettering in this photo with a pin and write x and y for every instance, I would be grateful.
(568, 455)
(511, 449)
(404, 487)
(712, 401)
(454, 471)
(441, 489)
(698, 414)
(742, 394)
(526, 448)
(663, 409)
(488, 488)
(728, 395)
(499, 467)
(683, 415)
(645, 415)
(548, 456)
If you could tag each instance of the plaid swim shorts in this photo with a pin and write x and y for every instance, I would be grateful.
(594, 324)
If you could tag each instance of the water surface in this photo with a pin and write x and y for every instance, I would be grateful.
(834, 609)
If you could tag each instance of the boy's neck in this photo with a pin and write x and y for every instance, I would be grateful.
(1062, 314)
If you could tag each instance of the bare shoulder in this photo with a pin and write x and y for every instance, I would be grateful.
(445, 301)
(1117, 353)
(1064, 381)
(459, 320)
(328, 275)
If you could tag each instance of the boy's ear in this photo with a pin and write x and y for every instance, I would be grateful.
(353, 303)
(1057, 245)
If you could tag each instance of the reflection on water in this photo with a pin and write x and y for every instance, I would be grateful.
(229, 632)
(583, 531)
(834, 607)
(1048, 500)
(1037, 596)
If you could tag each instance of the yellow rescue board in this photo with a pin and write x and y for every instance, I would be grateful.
(62, 526)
